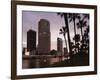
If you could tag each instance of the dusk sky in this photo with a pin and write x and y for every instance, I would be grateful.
(30, 20)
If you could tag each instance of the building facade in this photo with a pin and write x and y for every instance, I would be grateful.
(43, 37)
(31, 40)
(60, 45)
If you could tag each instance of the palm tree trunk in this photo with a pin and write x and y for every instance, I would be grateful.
(81, 30)
(74, 32)
(65, 41)
(68, 34)
(74, 27)
(81, 33)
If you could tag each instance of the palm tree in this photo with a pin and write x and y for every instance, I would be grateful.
(86, 39)
(77, 39)
(80, 25)
(83, 19)
(82, 22)
(86, 16)
(63, 31)
(73, 17)
(66, 29)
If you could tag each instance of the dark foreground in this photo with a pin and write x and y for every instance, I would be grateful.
(79, 59)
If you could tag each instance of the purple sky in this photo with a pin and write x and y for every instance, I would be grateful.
(30, 20)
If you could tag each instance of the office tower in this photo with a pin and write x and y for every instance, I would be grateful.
(31, 40)
(60, 45)
(43, 37)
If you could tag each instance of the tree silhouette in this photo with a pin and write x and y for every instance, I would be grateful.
(66, 28)
(53, 52)
(72, 18)
(83, 19)
(63, 31)
(86, 40)
(82, 22)
(77, 39)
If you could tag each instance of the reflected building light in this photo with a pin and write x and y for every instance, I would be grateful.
(27, 53)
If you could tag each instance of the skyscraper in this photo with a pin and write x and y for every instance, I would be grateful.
(43, 36)
(59, 45)
(31, 40)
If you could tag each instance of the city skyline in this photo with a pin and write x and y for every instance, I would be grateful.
(30, 20)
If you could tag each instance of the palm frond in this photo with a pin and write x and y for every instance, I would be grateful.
(61, 14)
